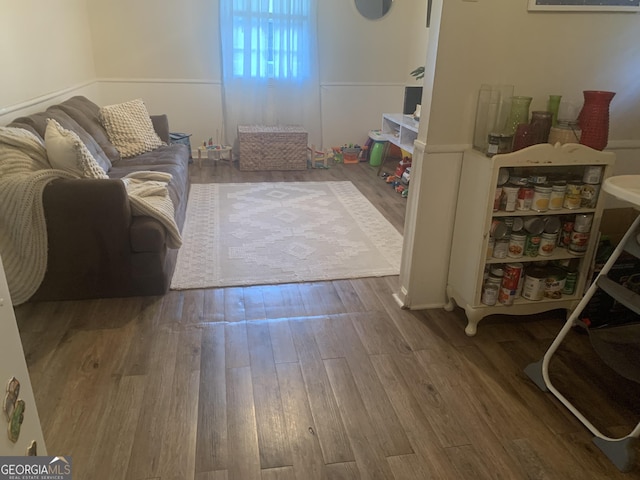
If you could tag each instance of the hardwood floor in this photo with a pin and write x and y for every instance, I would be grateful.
(323, 380)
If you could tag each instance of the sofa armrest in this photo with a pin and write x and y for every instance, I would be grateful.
(88, 226)
(161, 126)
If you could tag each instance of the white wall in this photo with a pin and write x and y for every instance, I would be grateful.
(365, 64)
(500, 42)
(168, 53)
(541, 53)
(45, 48)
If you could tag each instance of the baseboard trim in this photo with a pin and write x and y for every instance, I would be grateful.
(427, 306)
(167, 81)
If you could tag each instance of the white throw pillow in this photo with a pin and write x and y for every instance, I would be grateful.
(67, 152)
(129, 128)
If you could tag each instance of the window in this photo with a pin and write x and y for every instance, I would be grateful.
(270, 39)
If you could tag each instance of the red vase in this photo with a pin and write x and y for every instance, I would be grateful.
(594, 118)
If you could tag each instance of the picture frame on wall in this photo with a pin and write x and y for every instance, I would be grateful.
(585, 5)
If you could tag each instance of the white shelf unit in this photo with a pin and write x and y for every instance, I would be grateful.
(399, 129)
(474, 215)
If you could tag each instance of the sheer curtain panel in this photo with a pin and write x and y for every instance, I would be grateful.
(270, 68)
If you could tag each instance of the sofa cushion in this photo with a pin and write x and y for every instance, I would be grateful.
(87, 114)
(67, 152)
(129, 128)
(37, 123)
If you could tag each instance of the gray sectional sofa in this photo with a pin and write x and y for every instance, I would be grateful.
(96, 247)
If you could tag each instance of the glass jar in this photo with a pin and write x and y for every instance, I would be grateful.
(565, 132)
(541, 124)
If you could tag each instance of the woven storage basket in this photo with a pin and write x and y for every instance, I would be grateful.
(272, 148)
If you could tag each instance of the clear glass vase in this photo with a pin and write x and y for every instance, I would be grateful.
(491, 113)
(518, 114)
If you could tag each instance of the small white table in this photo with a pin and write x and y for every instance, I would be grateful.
(215, 154)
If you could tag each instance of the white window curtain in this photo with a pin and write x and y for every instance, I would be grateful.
(270, 67)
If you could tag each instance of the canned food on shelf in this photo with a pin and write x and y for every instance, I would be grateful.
(573, 196)
(516, 245)
(592, 174)
(534, 283)
(589, 197)
(541, 197)
(554, 283)
(548, 244)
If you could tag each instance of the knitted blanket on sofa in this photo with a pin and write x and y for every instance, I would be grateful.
(24, 173)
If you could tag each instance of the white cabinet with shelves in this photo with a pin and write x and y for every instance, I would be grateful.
(470, 253)
(399, 129)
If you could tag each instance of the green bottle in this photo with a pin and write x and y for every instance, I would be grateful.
(553, 105)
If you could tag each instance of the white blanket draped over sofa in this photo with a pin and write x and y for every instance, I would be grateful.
(24, 173)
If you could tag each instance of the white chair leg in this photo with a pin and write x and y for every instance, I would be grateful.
(619, 450)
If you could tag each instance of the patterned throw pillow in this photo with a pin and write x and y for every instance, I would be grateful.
(129, 128)
(67, 152)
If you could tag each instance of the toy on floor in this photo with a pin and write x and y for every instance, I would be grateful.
(351, 153)
(320, 158)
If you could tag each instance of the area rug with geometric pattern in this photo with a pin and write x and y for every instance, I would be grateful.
(282, 232)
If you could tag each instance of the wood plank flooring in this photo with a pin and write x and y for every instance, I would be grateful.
(324, 380)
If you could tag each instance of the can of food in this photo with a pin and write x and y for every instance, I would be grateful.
(558, 191)
(554, 283)
(518, 225)
(511, 194)
(537, 179)
(516, 245)
(498, 143)
(506, 296)
(499, 229)
(490, 294)
(497, 198)
(511, 278)
(534, 225)
(497, 270)
(503, 175)
(525, 198)
(589, 196)
(573, 196)
(564, 238)
(532, 246)
(493, 142)
(534, 283)
(547, 244)
(583, 222)
(493, 280)
(541, 197)
(579, 243)
(570, 283)
(520, 181)
(552, 224)
(490, 244)
(500, 249)
(592, 174)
